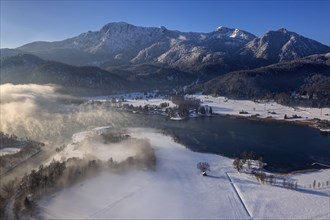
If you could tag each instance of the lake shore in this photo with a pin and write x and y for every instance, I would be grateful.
(261, 110)
(314, 123)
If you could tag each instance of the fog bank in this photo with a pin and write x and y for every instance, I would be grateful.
(42, 113)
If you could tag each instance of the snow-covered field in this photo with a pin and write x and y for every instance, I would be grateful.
(176, 190)
(9, 150)
(224, 106)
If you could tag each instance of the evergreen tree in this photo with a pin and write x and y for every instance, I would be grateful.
(202, 110)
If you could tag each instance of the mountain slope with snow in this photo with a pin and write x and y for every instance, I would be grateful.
(220, 51)
(283, 45)
(158, 58)
(281, 81)
(122, 43)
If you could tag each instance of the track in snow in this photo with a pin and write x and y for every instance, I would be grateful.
(240, 199)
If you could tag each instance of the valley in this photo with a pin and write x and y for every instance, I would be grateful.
(105, 119)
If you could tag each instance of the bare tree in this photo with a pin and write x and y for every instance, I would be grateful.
(203, 167)
(249, 163)
(261, 176)
(296, 185)
(9, 188)
(271, 179)
(260, 162)
(238, 164)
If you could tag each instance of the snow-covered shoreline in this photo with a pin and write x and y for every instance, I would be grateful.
(269, 110)
(176, 190)
(262, 110)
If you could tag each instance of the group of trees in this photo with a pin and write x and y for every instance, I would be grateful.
(8, 139)
(185, 110)
(275, 180)
(204, 110)
(290, 184)
(9, 161)
(35, 183)
(318, 185)
(114, 137)
(249, 159)
(58, 174)
(43, 178)
(254, 164)
(145, 108)
(293, 184)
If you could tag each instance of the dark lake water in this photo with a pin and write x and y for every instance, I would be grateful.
(284, 147)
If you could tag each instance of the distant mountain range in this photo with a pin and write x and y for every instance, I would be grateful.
(217, 51)
(152, 57)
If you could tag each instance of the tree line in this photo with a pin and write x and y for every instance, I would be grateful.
(56, 175)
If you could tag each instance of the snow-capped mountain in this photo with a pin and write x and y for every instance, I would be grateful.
(211, 54)
(122, 43)
(283, 45)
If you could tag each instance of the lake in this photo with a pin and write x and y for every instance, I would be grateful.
(284, 147)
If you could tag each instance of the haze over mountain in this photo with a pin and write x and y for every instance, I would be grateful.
(25, 68)
(82, 80)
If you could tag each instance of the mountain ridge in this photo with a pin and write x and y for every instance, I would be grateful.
(146, 58)
(308, 78)
(120, 43)
(27, 68)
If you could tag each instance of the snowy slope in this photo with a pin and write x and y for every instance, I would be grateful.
(283, 45)
(176, 190)
(266, 202)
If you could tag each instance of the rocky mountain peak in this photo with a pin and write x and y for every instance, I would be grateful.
(281, 45)
(120, 43)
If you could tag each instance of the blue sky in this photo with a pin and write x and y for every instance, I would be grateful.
(26, 21)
